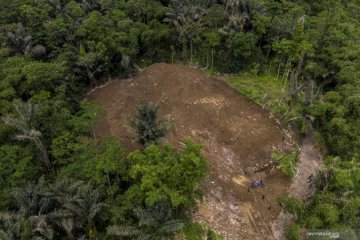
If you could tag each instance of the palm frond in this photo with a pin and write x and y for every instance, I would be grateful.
(28, 199)
(172, 226)
(85, 204)
(18, 124)
(19, 40)
(41, 226)
(11, 223)
(5, 236)
(23, 122)
(83, 237)
(123, 231)
(37, 238)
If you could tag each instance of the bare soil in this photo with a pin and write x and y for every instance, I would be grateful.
(236, 134)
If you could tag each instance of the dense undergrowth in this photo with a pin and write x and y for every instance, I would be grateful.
(53, 51)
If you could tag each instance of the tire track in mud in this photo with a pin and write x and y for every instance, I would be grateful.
(263, 231)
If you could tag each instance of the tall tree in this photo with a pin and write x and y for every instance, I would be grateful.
(185, 17)
(19, 41)
(24, 123)
(159, 174)
(85, 205)
(154, 222)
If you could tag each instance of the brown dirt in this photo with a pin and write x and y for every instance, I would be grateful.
(236, 134)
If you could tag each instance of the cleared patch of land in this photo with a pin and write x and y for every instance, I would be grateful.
(237, 134)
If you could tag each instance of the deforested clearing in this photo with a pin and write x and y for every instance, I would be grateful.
(237, 135)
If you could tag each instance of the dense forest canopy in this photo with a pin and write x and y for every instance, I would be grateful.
(53, 51)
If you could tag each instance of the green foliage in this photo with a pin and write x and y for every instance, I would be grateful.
(337, 194)
(196, 231)
(241, 44)
(256, 87)
(154, 222)
(25, 124)
(52, 52)
(339, 130)
(215, 16)
(327, 213)
(350, 210)
(160, 174)
(62, 207)
(293, 232)
(292, 205)
(287, 162)
(149, 130)
(213, 39)
(16, 169)
(268, 91)
(102, 163)
(85, 118)
(29, 77)
(319, 141)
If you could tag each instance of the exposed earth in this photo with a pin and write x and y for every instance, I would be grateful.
(237, 134)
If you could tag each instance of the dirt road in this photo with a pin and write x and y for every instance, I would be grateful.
(309, 161)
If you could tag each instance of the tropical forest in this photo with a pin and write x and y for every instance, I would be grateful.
(179, 119)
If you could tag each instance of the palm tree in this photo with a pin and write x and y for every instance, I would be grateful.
(85, 206)
(240, 13)
(23, 122)
(30, 214)
(159, 219)
(155, 222)
(10, 225)
(5, 236)
(89, 66)
(64, 205)
(60, 192)
(29, 199)
(185, 16)
(55, 197)
(149, 130)
(41, 226)
(19, 41)
(65, 221)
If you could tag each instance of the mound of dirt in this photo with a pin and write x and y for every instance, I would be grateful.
(237, 134)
